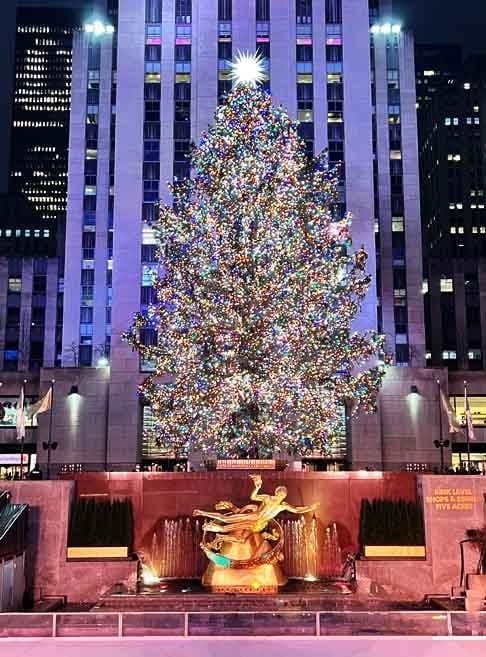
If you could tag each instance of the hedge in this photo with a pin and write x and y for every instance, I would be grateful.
(391, 522)
(101, 524)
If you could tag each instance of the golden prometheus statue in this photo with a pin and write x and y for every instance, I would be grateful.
(247, 543)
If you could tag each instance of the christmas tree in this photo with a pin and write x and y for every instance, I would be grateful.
(256, 293)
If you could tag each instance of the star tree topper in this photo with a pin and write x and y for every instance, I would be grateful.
(247, 69)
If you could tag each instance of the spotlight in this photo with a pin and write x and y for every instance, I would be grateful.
(103, 362)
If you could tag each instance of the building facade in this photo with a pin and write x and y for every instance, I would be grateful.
(452, 137)
(147, 86)
(37, 40)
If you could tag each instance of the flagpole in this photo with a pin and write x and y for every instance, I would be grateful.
(466, 409)
(22, 437)
(53, 381)
(441, 444)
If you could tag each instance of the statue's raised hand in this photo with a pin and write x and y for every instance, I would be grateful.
(257, 480)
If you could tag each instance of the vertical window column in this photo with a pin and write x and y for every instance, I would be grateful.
(305, 89)
(182, 90)
(263, 37)
(85, 351)
(225, 48)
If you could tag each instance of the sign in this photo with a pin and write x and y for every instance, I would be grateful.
(245, 464)
(13, 459)
(453, 499)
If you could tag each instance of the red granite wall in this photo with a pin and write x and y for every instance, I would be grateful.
(169, 495)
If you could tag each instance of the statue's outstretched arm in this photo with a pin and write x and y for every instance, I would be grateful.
(257, 484)
(299, 509)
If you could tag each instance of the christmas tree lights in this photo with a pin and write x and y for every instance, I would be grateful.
(256, 293)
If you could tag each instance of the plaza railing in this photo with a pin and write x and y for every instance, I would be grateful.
(244, 623)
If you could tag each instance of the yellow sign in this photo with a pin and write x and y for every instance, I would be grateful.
(453, 499)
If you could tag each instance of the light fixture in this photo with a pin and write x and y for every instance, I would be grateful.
(98, 28)
(414, 390)
(103, 362)
(386, 28)
(74, 391)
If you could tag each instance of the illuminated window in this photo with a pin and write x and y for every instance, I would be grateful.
(453, 230)
(474, 354)
(14, 284)
(477, 404)
(446, 285)
(447, 121)
(425, 286)
(398, 225)
(449, 355)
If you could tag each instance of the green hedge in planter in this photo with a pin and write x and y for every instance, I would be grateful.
(94, 523)
(391, 522)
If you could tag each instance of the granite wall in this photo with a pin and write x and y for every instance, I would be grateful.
(47, 570)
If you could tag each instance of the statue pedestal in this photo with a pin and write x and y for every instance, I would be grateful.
(262, 578)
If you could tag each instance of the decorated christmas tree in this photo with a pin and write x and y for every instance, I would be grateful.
(257, 289)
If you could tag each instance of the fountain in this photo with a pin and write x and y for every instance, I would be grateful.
(311, 551)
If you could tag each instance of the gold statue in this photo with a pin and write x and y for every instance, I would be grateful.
(241, 555)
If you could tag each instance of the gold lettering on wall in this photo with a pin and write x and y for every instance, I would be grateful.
(453, 499)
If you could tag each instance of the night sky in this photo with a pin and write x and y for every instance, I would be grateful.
(445, 21)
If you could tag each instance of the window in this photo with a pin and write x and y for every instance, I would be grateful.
(304, 11)
(224, 10)
(334, 11)
(14, 284)
(446, 285)
(398, 225)
(477, 404)
(153, 11)
(183, 11)
(263, 10)
(449, 355)
(86, 315)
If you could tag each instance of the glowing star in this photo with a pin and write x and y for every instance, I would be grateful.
(247, 69)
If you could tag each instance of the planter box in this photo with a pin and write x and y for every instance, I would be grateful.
(395, 551)
(97, 553)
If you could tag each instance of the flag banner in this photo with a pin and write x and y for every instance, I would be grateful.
(20, 415)
(468, 415)
(44, 404)
(453, 422)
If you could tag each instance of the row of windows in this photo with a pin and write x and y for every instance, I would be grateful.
(26, 232)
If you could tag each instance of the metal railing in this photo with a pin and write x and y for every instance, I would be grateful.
(242, 623)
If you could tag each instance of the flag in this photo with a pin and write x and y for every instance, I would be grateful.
(453, 422)
(20, 416)
(467, 413)
(44, 404)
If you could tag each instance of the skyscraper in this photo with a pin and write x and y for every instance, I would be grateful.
(453, 175)
(40, 119)
(34, 131)
(146, 82)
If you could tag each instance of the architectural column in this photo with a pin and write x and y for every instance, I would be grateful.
(411, 200)
(358, 143)
(127, 238)
(283, 54)
(50, 319)
(75, 199)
